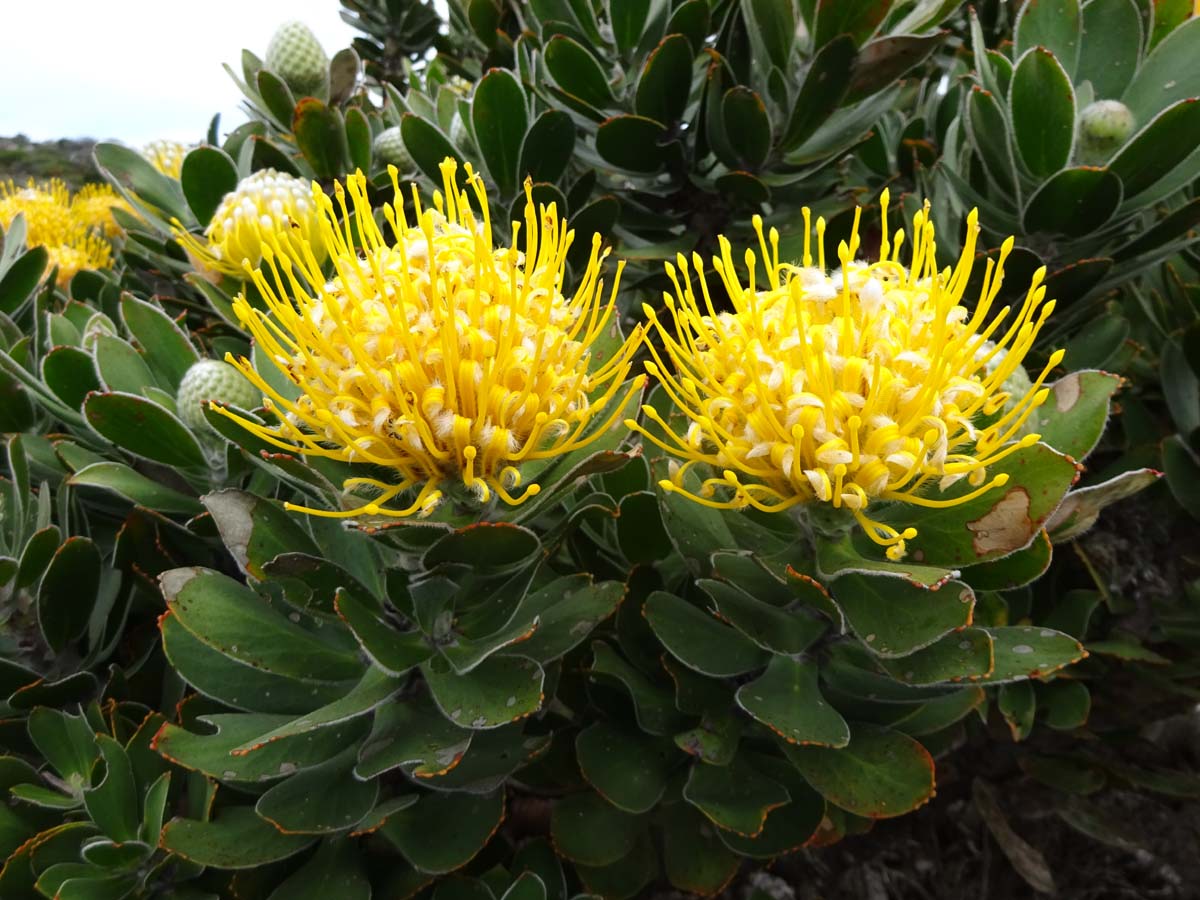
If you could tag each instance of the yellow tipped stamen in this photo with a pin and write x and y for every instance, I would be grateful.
(429, 350)
(876, 385)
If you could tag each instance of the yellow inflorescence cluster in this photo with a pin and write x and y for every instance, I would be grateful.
(431, 351)
(874, 384)
(166, 157)
(73, 230)
(265, 203)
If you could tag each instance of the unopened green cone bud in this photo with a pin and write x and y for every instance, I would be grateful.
(389, 147)
(211, 379)
(296, 56)
(1103, 127)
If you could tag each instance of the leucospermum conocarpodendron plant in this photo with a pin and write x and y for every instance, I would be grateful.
(433, 352)
(875, 385)
(261, 203)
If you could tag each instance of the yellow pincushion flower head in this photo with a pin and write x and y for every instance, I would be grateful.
(166, 157)
(431, 351)
(874, 385)
(262, 203)
(92, 207)
(51, 221)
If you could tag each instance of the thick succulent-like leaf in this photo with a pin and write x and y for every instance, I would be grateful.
(499, 690)
(666, 81)
(320, 133)
(964, 655)
(588, 830)
(894, 617)
(1042, 109)
(1167, 75)
(443, 831)
(737, 797)
(1080, 509)
(774, 629)
(1074, 202)
(256, 530)
(68, 591)
(209, 174)
(654, 706)
(235, 839)
(1053, 24)
(1164, 142)
(324, 799)
(698, 640)
(143, 428)
(577, 72)
(1026, 651)
(694, 858)
(1109, 55)
(413, 735)
(628, 770)
(498, 112)
(880, 774)
(787, 700)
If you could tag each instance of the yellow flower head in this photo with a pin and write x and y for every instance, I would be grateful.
(430, 351)
(875, 384)
(263, 203)
(166, 156)
(52, 221)
(93, 205)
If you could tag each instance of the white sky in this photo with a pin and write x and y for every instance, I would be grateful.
(136, 70)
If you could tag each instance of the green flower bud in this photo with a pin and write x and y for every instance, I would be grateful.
(389, 147)
(296, 56)
(1103, 127)
(211, 379)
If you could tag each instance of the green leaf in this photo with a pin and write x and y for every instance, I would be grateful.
(825, 83)
(39, 550)
(1000, 521)
(1017, 704)
(358, 139)
(856, 18)
(443, 832)
(22, 279)
(277, 97)
(940, 713)
(776, 25)
(576, 71)
(631, 143)
(883, 61)
(126, 166)
(1074, 416)
(1167, 76)
(1074, 202)
(1066, 703)
(212, 754)
(698, 640)
(321, 136)
(627, 769)
(143, 428)
(68, 592)
(736, 797)
(337, 869)
(498, 112)
(235, 839)
(324, 799)
(788, 828)
(494, 547)
(624, 879)
(628, 21)
(1164, 142)
(894, 617)
(413, 735)
(255, 530)
(778, 630)
(1015, 570)
(580, 606)
(1183, 473)
(121, 367)
(393, 651)
(66, 742)
(547, 148)
(654, 706)
(237, 684)
(136, 487)
(372, 691)
(666, 81)
(70, 374)
(1054, 25)
(232, 619)
(113, 802)
(499, 690)
(208, 174)
(1025, 651)
(747, 125)
(787, 700)
(1042, 110)
(694, 858)
(589, 831)
(880, 774)
(1110, 53)
(1081, 508)
(966, 654)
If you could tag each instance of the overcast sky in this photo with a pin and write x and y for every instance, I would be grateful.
(136, 70)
